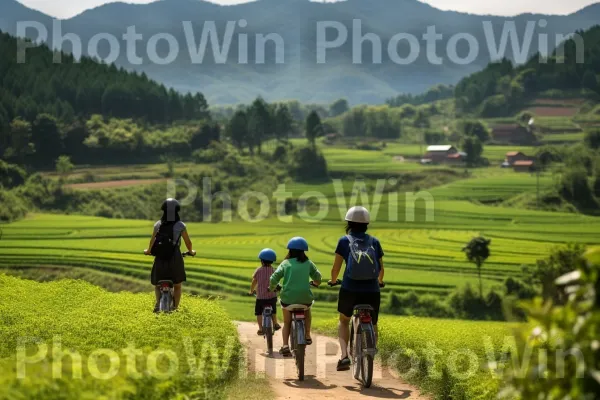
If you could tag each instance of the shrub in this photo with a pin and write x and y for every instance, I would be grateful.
(13, 207)
(215, 152)
(308, 164)
(11, 175)
(563, 344)
(85, 319)
(495, 106)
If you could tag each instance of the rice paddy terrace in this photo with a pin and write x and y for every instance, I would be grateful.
(422, 253)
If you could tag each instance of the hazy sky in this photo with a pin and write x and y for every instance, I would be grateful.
(69, 8)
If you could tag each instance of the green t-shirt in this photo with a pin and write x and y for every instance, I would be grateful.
(296, 281)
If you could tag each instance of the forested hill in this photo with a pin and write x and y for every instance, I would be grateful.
(243, 76)
(68, 90)
(501, 88)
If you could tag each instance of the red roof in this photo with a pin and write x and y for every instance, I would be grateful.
(527, 163)
(513, 153)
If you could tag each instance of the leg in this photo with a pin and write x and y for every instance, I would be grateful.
(376, 334)
(177, 295)
(259, 320)
(344, 334)
(308, 316)
(287, 327)
(274, 319)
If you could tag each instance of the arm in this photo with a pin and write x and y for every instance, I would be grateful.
(253, 285)
(381, 272)
(188, 242)
(149, 249)
(275, 278)
(337, 267)
(315, 275)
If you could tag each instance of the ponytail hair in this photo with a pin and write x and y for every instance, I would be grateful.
(298, 255)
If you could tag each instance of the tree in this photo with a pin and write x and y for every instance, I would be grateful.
(237, 129)
(46, 138)
(473, 147)
(592, 139)
(64, 166)
(283, 122)
(421, 120)
(589, 80)
(546, 271)
(338, 107)
(314, 127)
(20, 139)
(474, 128)
(259, 123)
(477, 251)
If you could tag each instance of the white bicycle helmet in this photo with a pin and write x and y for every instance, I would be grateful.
(359, 215)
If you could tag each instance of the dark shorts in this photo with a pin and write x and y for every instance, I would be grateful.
(348, 300)
(168, 270)
(261, 303)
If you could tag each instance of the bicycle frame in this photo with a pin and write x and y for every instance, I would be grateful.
(363, 325)
(166, 297)
(267, 321)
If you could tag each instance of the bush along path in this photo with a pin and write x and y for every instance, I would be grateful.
(322, 381)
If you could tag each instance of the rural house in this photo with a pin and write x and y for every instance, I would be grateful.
(456, 159)
(513, 134)
(524, 166)
(439, 154)
(514, 156)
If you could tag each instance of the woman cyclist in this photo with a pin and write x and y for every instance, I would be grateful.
(354, 292)
(172, 269)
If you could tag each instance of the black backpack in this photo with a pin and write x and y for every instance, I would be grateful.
(164, 245)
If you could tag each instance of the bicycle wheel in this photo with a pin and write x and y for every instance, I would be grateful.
(300, 353)
(268, 328)
(356, 352)
(164, 303)
(367, 359)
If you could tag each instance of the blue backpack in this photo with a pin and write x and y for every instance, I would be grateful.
(363, 262)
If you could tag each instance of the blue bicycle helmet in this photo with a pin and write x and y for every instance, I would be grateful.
(298, 243)
(267, 255)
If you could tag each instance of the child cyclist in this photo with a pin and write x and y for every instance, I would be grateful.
(260, 283)
(296, 271)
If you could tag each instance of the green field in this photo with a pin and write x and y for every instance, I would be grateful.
(99, 345)
(420, 255)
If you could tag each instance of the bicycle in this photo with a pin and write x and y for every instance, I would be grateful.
(267, 325)
(298, 333)
(166, 287)
(362, 347)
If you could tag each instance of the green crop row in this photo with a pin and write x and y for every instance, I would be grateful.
(71, 340)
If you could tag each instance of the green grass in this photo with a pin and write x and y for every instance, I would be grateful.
(102, 329)
(447, 359)
(421, 255)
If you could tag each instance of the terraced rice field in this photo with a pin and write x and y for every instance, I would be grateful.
(420, 254)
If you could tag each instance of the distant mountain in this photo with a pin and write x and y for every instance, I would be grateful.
(295, 21)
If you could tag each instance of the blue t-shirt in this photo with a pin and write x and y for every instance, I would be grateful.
(343, 249)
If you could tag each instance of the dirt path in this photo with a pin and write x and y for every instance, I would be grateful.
(322, 381)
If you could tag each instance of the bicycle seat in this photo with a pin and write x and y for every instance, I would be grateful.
(298, 307)
(363, 307)
(165, 283)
